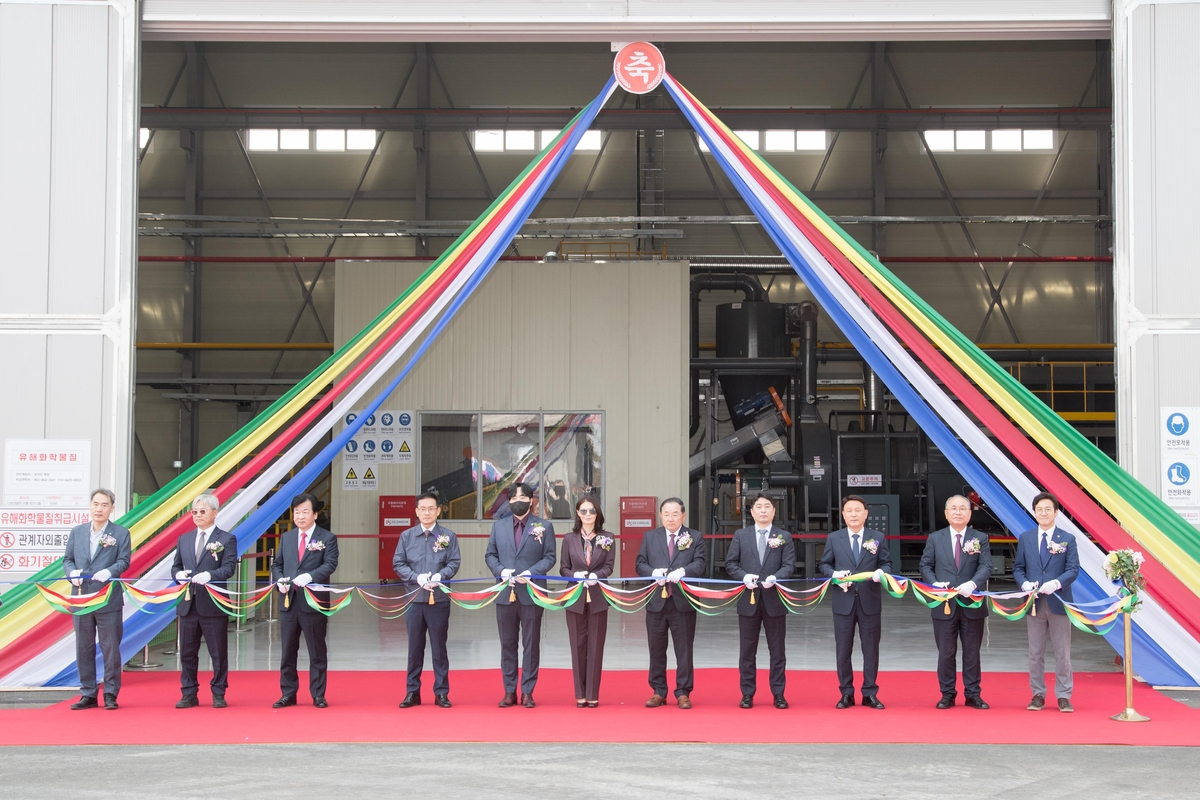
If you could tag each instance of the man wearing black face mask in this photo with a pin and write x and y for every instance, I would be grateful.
(520, 546)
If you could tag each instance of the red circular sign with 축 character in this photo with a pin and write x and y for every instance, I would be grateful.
(639, 67)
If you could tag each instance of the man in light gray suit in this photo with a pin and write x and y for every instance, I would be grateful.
(958, 557)
(99, 549)
(518, 547)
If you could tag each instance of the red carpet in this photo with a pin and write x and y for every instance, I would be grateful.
(363, 709)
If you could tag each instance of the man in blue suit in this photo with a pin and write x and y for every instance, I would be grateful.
(1047, 561)
(518, 547)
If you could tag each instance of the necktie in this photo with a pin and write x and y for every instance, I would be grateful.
(854, 546)
(670, 546)
(303, 544)
(1042, 550)
(762, 546)
(518, 529)
(958, 549)
(200, 537)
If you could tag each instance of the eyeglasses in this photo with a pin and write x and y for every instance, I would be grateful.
(588, 511)
(200, 510)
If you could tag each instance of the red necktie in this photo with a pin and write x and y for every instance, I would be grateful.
(300, 553)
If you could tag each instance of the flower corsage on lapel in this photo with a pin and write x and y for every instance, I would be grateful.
(604, 542)
(315, 546)
(971, 547)
(774, 542)
(537, 532)
(215, 548)
(871, 546)
(108, 540)
(441, 542)
(683, 541)
(1056, 548)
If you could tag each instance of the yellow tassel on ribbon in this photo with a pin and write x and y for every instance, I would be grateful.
(287, 601)
(187, 594)
(664, 591)
(512, 594)
(946, 607)
(587, 595)
(752, 601)
(431, 597)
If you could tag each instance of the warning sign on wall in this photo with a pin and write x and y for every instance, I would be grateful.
(350, 480)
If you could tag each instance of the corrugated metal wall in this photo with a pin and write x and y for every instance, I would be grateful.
(68, 89)
(559, 337)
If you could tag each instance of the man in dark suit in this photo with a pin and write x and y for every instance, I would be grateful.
(759, 556)
(958, 557)
(1047, 562)
(671, 553)
(207, 556)
(100, 549)
(426, 555)
(855, 549)
(520, 546)
(307, 554)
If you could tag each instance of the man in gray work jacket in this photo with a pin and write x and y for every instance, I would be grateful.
(426, 555)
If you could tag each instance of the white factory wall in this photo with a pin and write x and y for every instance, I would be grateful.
(555, 337)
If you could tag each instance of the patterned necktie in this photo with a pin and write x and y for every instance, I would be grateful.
(762, 546)
(670, 546)
(958, 549)
(854, 546)
(1042, 549)
(300, 552)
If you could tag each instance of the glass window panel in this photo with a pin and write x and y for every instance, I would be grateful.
(1039, 140)
(450, 463)
(810, 140)
(293, 139)
(1006, 140)
(360, 139)
(331, 141)
(589, 141)
(573, 446)
(940, 141)
(262, 139)
(548, 137)
(703, 144)
(749, 137)
(489, 141)
(143, 137)
(518, 140)
(511, 446)
(780, 141)
(970, 140)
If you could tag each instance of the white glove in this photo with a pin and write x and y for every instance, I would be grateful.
(505, 574)
(423, 579)
(966, 589)
(581, 574)
(661, 574)
(842, 573)
(102, 576)
(1028, 586)
(181, 576)
(877, 576)
(74, 576)
(202, 578)
(524, 577)
(768, 582)
(435, 579)
(941, 585)
(283, 584)
(1049, 587)
(302, 580)
(675, 576)
(592, 581)
(750, 580)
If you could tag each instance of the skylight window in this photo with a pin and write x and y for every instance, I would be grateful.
(780, 141)
(519, 140)
(1039, 140)
(940, 141)
(359, 139)
(970, 140)
(1006, 140)
(489, 141)
(331, 141)
(292, 139)
(749, 137)
(811, 140)
(263, 139)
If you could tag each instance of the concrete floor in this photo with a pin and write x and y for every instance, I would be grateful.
(603, 771)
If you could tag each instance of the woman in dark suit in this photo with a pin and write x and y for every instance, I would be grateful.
(588, 552)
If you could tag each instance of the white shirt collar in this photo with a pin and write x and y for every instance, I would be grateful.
(100, 530)
(425, 530)
(308, 533)
(954, 532)
(858, 532)
(207, 532)
(674, 532)
(1045, 531)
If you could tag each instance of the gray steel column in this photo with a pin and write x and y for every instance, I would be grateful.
(1104, 175)
(879, 143)
(192, 331)
(421, 146)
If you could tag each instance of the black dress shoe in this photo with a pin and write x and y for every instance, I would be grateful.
(947, 701)
(284, 702)
(781, 701)
(847, 701)
(84, 702)
(110, 702)
(747, 701)
(527, 701)
(509, 700)
(219, 701)
(411, 699)
(441, 700)
(872, 702)
(188, 701)
(976, 701)
(319, 702)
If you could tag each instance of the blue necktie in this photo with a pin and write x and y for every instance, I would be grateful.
(1045, 553)
(854, 546)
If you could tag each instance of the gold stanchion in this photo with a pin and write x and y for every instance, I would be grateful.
(1129, 714)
